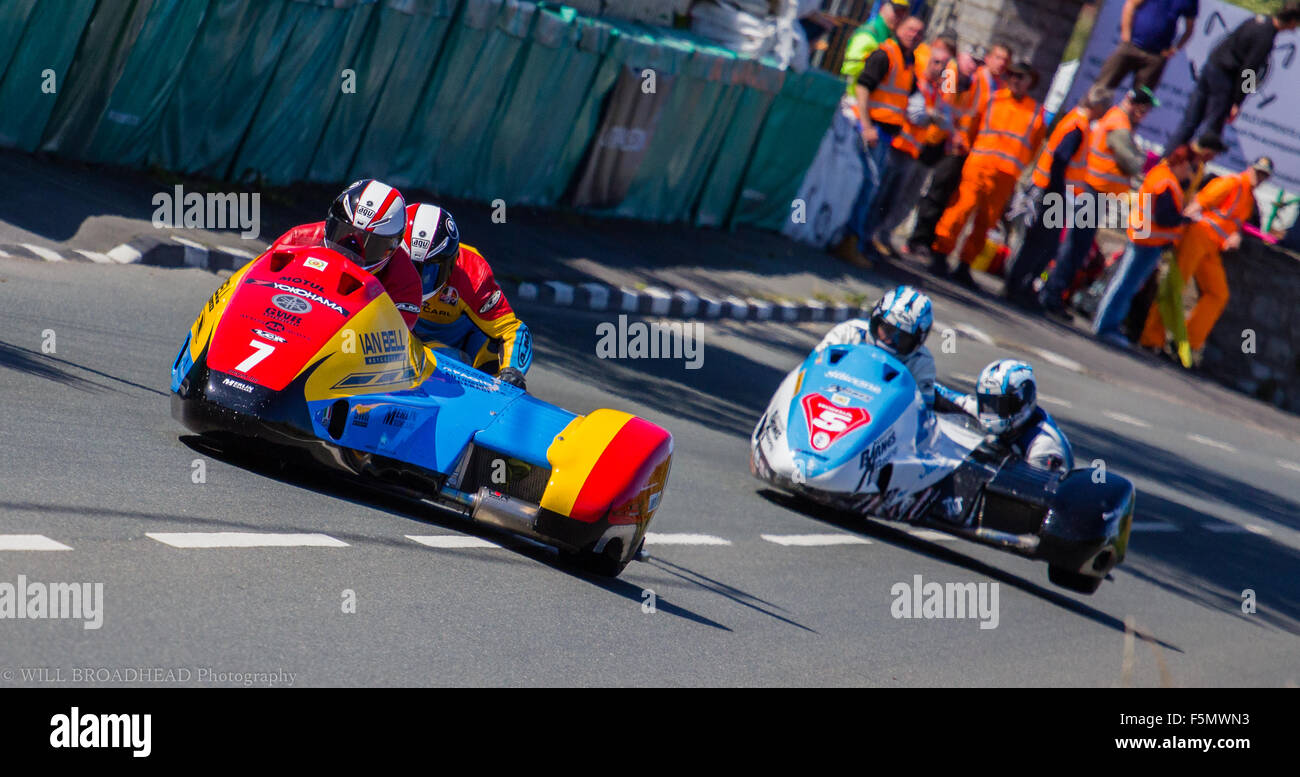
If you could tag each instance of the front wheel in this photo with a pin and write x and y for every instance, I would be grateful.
(1074, 581)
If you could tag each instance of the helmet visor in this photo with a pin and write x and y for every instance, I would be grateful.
(1001, 405)
(893, 338)
(434, 273)
(364, 248)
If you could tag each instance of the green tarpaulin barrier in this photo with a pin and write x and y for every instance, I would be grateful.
(703, 99)
(106, 43)
(48, 34)
(307, 81)
(785, 147)
(225, 75)
(722, 186)
(383, 44)
(484, 99)
(426, 30)
(528, 159)
(445, 143)
(130, 120)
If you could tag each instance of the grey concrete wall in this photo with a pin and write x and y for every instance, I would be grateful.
(1038, 30)
(1263, 300)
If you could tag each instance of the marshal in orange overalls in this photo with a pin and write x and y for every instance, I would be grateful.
(1010, 132)
(1226, 203)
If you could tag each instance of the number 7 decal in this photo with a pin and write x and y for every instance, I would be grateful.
(260, 351)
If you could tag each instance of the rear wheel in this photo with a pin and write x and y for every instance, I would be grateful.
(608, 563)
(1074, 581)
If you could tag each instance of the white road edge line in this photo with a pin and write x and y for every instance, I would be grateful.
(654, 538)
(1223, 446)
(815, 540)
(29, 542)
(240, 539)
(454, 541)
(1126, 419)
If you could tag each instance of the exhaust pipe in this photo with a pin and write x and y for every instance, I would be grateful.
(513, 515)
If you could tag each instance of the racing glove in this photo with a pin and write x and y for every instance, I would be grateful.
(514, 377)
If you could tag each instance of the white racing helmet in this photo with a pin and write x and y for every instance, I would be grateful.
(901, 320)
(1006, 395)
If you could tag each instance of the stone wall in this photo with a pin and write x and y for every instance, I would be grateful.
(1263, 299)
(1038, 30)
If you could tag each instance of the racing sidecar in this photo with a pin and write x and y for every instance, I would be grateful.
(304, 349)
(848, 429)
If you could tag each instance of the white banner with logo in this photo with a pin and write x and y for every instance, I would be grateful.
(1269, 123)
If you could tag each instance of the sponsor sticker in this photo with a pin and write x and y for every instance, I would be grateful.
(302, 293)
(853, 381)
(235, 384)
(828, 422)
(491, 302)
(262, 333)
(291, 304)
(313, 263)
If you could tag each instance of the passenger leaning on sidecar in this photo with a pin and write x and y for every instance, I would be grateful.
(463, 307)
(1005, 403)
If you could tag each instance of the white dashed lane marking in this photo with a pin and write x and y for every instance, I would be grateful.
(1055, 400)
(29, 542)
(815, 540)
(1154, 526)
(1059, 360)
(1126, 419)
(1223, 446)
(452, 541)
(654, 538)
(236, 539)
(931, 534)
(974, 333)
(1291, 465)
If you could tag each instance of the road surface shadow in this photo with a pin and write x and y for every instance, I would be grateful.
(886, 533)
(50, 367)
(1211, 568)
(293, 471)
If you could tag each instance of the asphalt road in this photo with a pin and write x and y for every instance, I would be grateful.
(90, 458)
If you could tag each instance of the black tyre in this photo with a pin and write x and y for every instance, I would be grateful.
(608, 563)
(1074, 581)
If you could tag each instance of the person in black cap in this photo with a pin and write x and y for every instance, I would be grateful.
(1235, 68)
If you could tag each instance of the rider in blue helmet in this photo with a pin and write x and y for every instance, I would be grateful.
(899, 324)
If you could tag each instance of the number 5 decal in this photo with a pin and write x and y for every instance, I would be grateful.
(260, 351)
